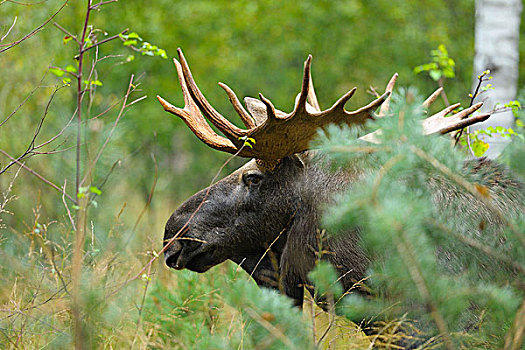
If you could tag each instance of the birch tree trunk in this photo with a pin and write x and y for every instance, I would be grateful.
(496, 45)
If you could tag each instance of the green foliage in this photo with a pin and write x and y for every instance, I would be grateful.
(248, 141)
(479, 146)
(233, 41)
(234, 313)
(408, 234)
(441, 66)
(133, 39)
(326, 281)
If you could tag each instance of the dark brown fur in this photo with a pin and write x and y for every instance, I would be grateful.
(268, 222)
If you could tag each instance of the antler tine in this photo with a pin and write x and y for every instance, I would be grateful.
(369, 108)
(312, 97)
(270, 109)
(231, 131)
(300, 106)
(340, 103)
(464, 123)
(389, 88)
(280, 134)
(432, 97)
(191, 115)
(438, 123)
(245, 116)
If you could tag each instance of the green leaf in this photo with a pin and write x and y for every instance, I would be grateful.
(133, 35)
(87, 42)
(425, 67)
(479, 147)
(435, 74)
(248, 141)
(487, 87)
(93, 82)
(71, 69)
(95, 190)
(129, 42)
(57, 72)
(130, 58)
(161, 53)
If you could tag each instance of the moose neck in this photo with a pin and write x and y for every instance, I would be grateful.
(264, 264)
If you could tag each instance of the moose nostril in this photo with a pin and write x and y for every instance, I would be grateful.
(171, 258)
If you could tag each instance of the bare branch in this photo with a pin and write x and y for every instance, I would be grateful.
(102, 3)
(36, 30)
(25, 100)
(121, 112)
(73, 74)
(74, 37)
(67, 208)
(29, 151)
(105, 40)
(38, 175)
(23, 3)
(9, 30)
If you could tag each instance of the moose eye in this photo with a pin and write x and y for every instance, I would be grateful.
(252, 178)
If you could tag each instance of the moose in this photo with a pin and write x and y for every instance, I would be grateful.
(265, 216)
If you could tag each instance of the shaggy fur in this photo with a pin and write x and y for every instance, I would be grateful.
(268, 221)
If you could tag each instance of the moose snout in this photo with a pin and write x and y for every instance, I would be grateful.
(171, 255)
(180, 252)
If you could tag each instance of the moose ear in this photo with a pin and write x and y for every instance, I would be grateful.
(257, 109)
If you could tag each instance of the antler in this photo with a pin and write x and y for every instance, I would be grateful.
(437, 123)
(279, 135)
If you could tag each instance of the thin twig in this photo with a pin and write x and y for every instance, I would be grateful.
(73, 74)
(150, 196)
(141, 308)
(76, 265)
(67, 208)
(74, 37)
(38, 176)
(13, 44)
(472, 98)
(121, 112)
(102, 3)
(406, 250)
(29, 151)
(181, 231)
(80, 94)
(9, 30)
(25, 100)
(270, 327)
(106, 40)
(443, 94)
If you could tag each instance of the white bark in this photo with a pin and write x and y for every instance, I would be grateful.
(496, 44)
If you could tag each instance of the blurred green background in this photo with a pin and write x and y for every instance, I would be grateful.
(251, 46)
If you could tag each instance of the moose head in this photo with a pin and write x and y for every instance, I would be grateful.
(265, 215)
